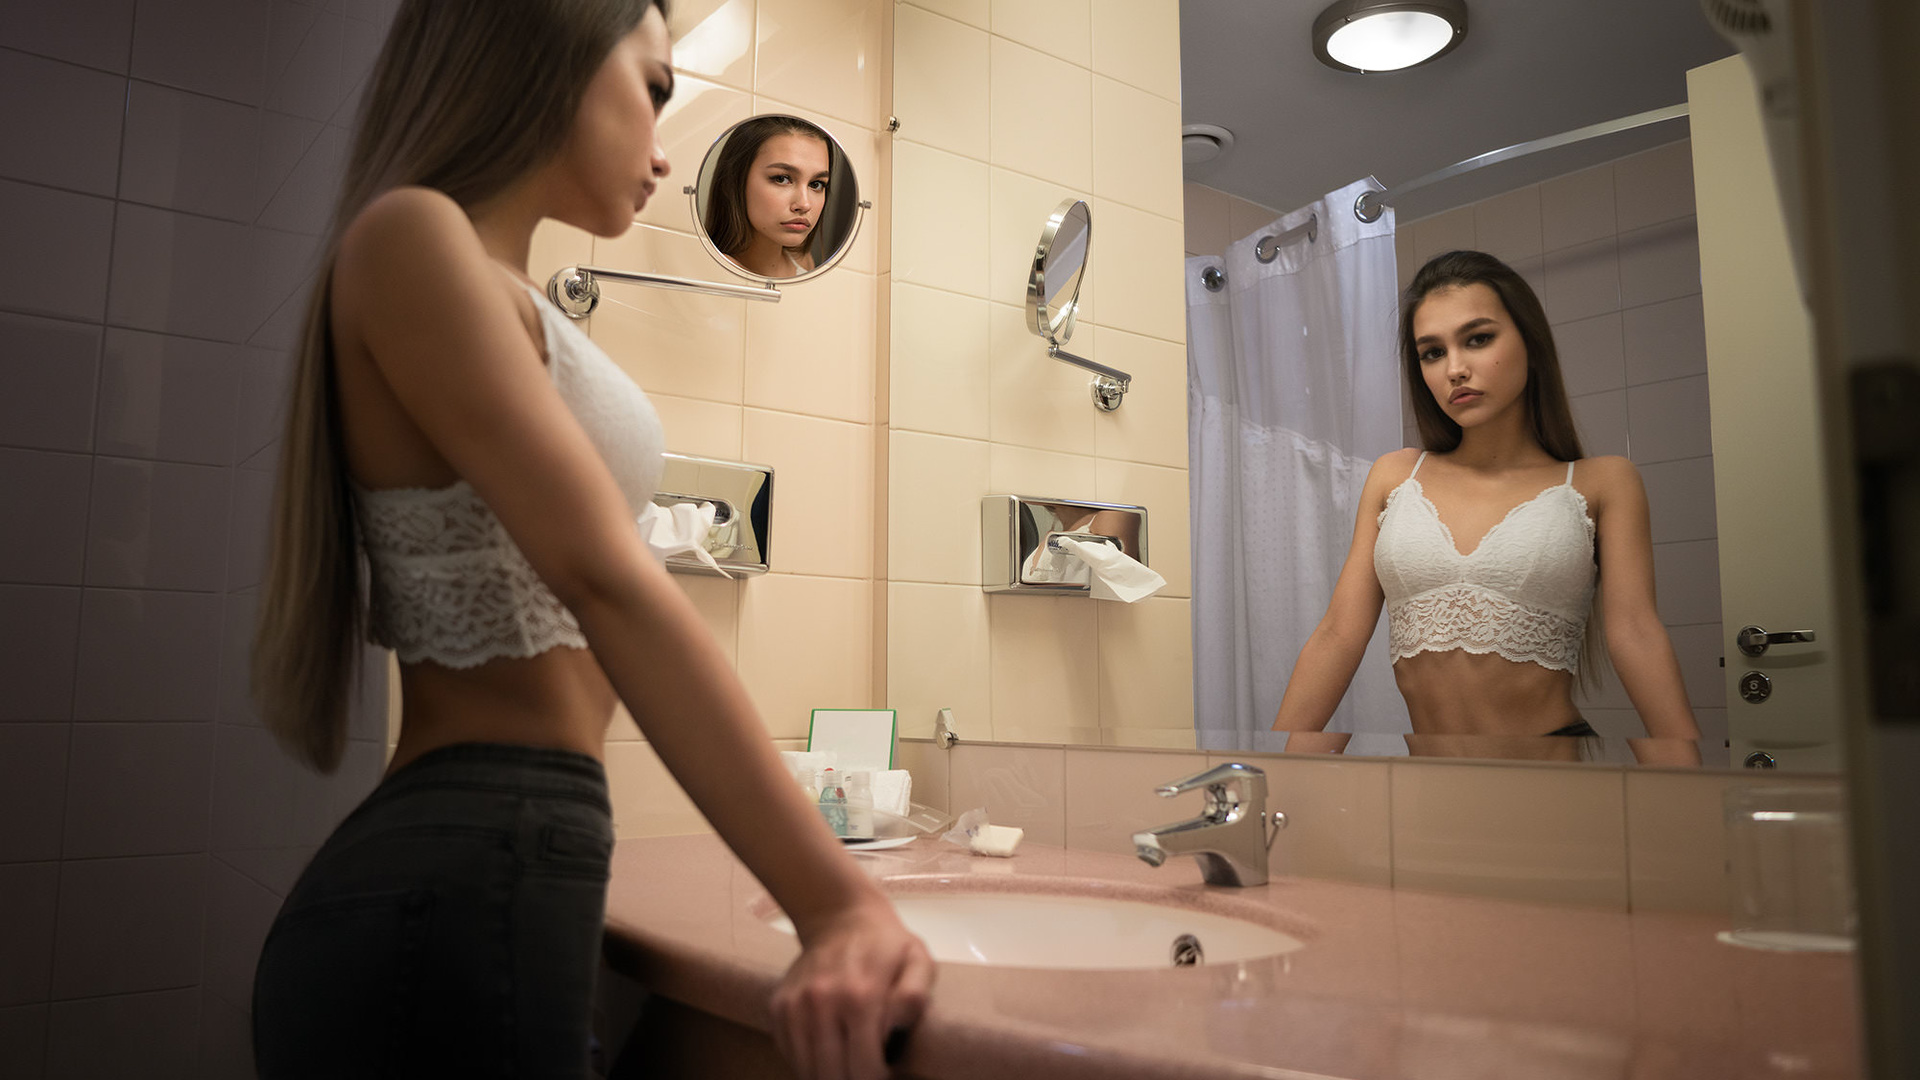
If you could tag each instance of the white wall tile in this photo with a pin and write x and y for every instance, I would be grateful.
(42, 534)
(33, 774)
(1699, 650)
(1450, 231)
(303, 203)
(1680, 499)
(214, 47)
(239, 912)
(1659, 262)
(1654, 186)
(29, 894)
(96, 33)
(55, 259)
(42, 628)
(266, 377)
(128, 925)
(1602, 422)
(306, 66)
(190, 152)
(147, 655)
(1590, 354)
(156, 525)
(248, 521)
(1581, 281)
(166, 398)
(1577, 208)
(154, 1036)
(1666, 340)
(1668, 420)
(174, 273)
(138, 789)
(59, 124)
(1686, 577)
(49, 369)
(1508, 226)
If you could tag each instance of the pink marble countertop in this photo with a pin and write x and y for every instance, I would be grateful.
(1391, 983)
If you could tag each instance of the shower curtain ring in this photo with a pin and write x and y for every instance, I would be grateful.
(1213, 278)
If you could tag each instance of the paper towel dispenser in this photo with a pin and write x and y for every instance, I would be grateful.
(1017, 533)
(741, 540)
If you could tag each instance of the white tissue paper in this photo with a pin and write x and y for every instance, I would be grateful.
(893, 791)
(1115, 574)
(682, 527)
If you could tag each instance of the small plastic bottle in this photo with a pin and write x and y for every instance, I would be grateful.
(833, 802)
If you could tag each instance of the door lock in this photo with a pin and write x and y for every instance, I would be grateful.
(1755, 687)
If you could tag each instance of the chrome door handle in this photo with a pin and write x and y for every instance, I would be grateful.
(1753, 641)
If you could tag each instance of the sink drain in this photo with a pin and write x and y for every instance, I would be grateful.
(1187, 951)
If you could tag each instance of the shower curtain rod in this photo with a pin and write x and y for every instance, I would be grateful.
(1369, 205)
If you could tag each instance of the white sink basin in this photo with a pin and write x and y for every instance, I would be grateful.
(1089, 932)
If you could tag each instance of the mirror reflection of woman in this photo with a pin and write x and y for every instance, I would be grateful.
(770, 184)
(1500, 549)
(486, 460)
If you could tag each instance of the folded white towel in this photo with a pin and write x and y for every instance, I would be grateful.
(893, 791)
(805, 765)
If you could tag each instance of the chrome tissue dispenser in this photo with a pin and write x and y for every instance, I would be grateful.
(1016, 532)
(741, 540)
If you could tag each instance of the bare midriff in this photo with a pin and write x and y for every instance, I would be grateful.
(1462, 693)
(559, 699)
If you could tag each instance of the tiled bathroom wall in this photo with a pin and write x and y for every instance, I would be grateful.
(1612, 251)
(166, 168)
(1007, 107)
(1216, 219)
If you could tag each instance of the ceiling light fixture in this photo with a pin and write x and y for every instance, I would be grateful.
(1368, 36)
(1203, 142)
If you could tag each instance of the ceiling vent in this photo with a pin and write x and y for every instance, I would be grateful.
(1204, 142)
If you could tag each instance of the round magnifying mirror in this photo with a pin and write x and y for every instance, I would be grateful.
(777, 199)
(1059, 264)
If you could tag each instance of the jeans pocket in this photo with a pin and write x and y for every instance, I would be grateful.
(337, 984)
(575, 851)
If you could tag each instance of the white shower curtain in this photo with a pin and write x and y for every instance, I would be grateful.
(1292, 392)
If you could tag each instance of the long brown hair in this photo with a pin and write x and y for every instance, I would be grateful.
(727, 223)
(1549, 414)
(467, 96)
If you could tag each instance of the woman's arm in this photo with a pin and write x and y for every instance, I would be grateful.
(433, 310)
(1636, 639)
(1333, 651)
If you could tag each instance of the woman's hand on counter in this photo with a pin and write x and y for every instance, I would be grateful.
(860, 977)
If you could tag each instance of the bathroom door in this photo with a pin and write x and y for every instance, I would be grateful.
(1768, 472)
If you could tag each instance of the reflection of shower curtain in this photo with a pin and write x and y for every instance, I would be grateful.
(1292, 391)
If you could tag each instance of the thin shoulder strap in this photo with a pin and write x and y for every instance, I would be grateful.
(1417, 463)
(1569, 479)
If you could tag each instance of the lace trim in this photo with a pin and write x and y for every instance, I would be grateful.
(1479, 620)
(1586, 515)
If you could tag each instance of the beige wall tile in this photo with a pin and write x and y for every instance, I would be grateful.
(1204, 219)
(933, 508)
(699, 112)
(718, 602)
(1141, 262)
(937, 655)
(1110, 796)
(701, 428)
(1151, 425)
(939, 219)
(714, 38)
(1451, 231)
(1508, 226)
(1022, 786)
(1138, 42)
(1149, 738)
(1037, 401)
(1062, 28)
(940, 82)
(805, 643)
(823, 476)
(1676, 841)
(1338, 826)
(1654, 186)
(1539, 834)
(669, 342)
(1018, 207)
(556, 244)
(1055, 142)
(1017, 470)
(1163, 492)
(1244, 216)
(938, 357)
(1146, 664)
(647, 801)
(1045, 659)
(1404, 263)
(823, 55)
(813, 351)
(1577, 208)
(971, 12)
(1136, 148)
(928, 765)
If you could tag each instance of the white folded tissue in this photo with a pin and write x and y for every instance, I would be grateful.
(1113, 574)
(682, 527)
(893, 791)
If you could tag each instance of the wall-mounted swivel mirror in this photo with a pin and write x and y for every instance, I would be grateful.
(1053, 295)
(777, 199)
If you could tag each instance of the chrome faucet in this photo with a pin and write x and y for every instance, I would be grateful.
(1231, 836)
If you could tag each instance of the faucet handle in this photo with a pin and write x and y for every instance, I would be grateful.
(1248, 780)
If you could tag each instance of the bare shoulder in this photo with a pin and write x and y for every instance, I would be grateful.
(1391, 468)
(1608, 479)
(401, 230)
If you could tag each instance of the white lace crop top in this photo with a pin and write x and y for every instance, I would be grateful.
(1523, 592)
(448, 584)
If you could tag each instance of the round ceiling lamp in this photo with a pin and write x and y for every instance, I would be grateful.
(1368, 36)
(1203, 142)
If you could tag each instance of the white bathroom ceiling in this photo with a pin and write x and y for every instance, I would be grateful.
(1527, 69)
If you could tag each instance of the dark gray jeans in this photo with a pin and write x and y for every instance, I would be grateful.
(449, 927)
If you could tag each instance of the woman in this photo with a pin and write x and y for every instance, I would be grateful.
(488, 460)
(770, 185)
(1490, 547)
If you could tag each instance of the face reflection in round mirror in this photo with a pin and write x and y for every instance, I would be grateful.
(1059, 263)
(777, 199)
